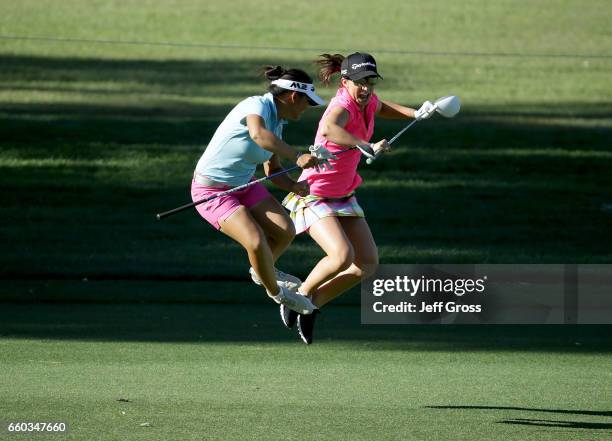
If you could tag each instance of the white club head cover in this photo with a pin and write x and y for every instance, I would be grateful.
(448, 106)
(425, 111)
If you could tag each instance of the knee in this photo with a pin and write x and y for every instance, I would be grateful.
(282, 234)
(256, 242)
(342, 258)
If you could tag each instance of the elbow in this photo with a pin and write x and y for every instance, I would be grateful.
(260, 138)
(256, 136)
(326, 130)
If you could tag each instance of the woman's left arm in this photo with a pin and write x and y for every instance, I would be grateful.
(389, 110)
(285, 182)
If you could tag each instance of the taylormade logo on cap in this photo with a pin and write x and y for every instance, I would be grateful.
(359, 65)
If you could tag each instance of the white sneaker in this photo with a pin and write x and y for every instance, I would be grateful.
(294, 301)
(282, 279)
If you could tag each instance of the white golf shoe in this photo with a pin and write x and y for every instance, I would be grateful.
(282, 279)
(294, 301)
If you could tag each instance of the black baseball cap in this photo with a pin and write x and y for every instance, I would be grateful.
(358, 65)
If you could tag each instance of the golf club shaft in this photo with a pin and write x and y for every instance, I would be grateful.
(160, 216)
(371, 160)
(231, 190)
(402, 131)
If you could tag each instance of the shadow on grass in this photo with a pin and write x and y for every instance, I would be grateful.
(60, 74)
(559, 424)
(543, 422)
(529, 409)
(261, 323)
(159, 121)
(165, 92)
(82, 179)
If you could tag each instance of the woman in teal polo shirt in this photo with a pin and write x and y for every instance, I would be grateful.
(251, 134)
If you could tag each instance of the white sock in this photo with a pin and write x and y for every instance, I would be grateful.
(277, 297)
(308, 296)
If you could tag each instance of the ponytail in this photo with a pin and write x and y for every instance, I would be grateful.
(273, 72)
(328, 65)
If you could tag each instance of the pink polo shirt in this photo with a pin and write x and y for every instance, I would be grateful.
(343, 179)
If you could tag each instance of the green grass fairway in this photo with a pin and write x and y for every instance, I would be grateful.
(105, 108)
(233, 372)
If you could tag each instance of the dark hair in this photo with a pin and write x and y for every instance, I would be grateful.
(277, 72)
(328, 65)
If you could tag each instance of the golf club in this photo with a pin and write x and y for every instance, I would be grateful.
(160, 216)
(447, 106)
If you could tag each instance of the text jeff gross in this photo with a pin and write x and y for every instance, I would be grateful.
(425, 307)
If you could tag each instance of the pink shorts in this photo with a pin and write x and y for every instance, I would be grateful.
(219, 209)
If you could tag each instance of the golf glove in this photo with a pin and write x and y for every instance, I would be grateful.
(323, 155)
(425, 111)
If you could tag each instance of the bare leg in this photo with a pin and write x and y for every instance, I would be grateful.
(276, 225)
(363, 265)
(243, 228)
(329, 234)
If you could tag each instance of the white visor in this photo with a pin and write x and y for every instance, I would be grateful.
(306, 88)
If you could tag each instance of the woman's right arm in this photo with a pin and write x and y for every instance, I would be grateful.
(269, 141)
(333, 130)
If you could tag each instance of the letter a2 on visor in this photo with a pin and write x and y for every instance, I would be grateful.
(307, 88)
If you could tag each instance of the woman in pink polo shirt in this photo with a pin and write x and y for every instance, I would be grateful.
(330, 213)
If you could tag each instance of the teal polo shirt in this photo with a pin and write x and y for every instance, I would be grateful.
(232, 156)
